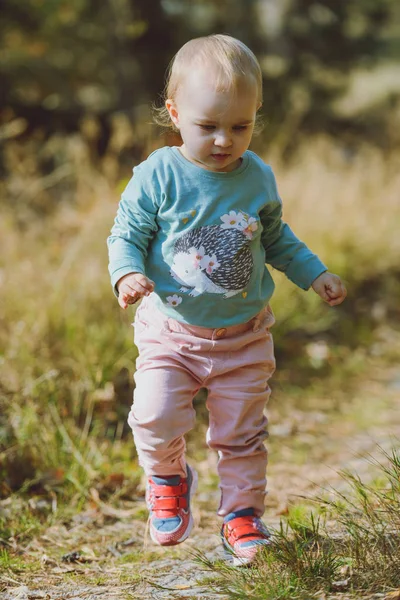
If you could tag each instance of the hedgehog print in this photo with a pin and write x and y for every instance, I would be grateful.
(215, 259)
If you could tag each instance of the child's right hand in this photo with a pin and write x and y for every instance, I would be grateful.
(132, 287)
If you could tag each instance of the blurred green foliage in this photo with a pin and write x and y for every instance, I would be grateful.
(62, 60)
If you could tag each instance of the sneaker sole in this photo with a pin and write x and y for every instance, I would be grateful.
(239, 561)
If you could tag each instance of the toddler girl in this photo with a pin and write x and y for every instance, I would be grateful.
(195, 228)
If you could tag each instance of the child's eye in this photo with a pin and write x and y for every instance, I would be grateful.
(239, 127)
(207, 127)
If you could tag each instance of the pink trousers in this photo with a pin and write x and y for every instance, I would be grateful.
(234, 364)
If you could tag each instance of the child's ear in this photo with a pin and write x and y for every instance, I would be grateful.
(173, 111)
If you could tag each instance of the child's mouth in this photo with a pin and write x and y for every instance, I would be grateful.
(220, 156)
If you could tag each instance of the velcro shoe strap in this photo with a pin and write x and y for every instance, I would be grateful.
(240, 532)
(243, 527)
(169, 503)
(169, 490)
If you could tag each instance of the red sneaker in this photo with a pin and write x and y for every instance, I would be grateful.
(244, 537)
(168, 500)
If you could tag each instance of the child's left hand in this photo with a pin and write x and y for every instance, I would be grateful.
(330, 288)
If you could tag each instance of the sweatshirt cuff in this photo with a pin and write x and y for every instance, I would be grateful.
(304, 273)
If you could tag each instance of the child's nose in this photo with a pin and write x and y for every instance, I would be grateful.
(223, 139)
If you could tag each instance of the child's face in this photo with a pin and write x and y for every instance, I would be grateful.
(215, 126)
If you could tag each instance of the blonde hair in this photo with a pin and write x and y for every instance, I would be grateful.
(232, 60)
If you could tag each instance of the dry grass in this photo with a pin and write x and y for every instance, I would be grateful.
(348, 545)
(346, 204)
(66, 348)
(62, 335)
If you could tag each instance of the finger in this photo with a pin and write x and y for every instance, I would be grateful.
(324, 294)
(336, 301)
(338, 293)
(333, 296)
(122, 302)
(145, 282)
(129, 298)
(133, 299)
(334, 289)
(134, 288)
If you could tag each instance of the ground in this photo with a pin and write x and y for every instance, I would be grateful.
(309, 446)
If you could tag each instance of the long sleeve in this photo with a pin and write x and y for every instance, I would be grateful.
(134, 227)
(284, 251)
(204, 238)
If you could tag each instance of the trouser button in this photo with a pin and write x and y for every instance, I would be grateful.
(220, 332)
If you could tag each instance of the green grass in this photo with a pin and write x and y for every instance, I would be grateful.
(15, 564)
(346, 544)
(18, 523)
(67, 359)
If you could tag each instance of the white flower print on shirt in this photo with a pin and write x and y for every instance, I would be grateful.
(210, 263)
(241, 221)
(197, 255)
(232, 220)
(251, 225)
(174, 300)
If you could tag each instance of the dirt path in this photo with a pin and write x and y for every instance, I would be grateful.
(117, 559)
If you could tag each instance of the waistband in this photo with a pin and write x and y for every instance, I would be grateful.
(264, 316)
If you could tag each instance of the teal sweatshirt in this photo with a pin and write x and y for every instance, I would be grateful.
(205, 238)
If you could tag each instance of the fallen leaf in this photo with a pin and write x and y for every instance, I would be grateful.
(182, 587)
(72, 557)
(340, 586)
(67, 569)
(80, 556)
